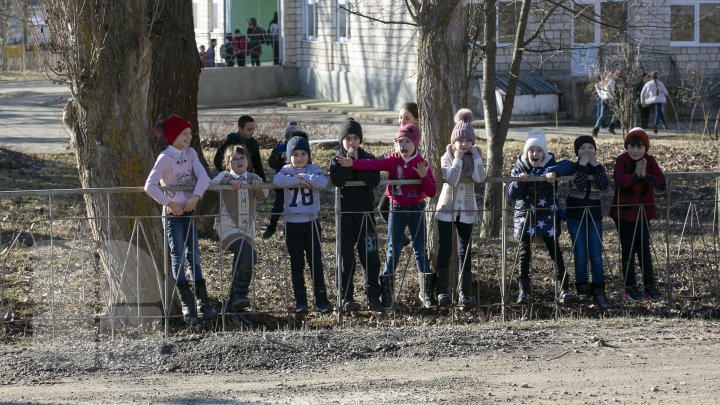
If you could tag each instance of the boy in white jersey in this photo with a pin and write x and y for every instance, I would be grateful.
(302, 182)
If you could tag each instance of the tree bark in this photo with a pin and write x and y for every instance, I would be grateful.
(128, 63)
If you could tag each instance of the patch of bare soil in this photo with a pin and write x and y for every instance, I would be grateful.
(571, 361)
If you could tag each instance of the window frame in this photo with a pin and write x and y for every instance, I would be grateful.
(306, 15)
(340, 14)
(695, 43)
(597, 28)
(216, 18)
(498, 42)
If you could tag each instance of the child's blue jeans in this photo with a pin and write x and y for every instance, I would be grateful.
(586, 237)
(183, 240)
(412, 217)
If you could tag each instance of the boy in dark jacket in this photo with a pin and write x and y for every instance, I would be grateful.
(357, 222)
(244, 136)
(536, 211)
(636, 176)
(276, 161)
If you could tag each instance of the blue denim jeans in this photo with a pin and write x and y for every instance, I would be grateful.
(183, 241)
(586, 236)
(659, 116)
(601, 109)
(412, 217)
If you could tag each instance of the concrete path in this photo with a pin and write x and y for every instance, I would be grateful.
(31, 112)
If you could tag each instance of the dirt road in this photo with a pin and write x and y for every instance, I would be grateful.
(599, 361)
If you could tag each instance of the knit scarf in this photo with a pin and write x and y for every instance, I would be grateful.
(467, 161)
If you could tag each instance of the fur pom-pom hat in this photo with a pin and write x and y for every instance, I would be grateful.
(171, 127)
(463, 129)
(291, 129)
(640, 133)
(411, 132)
(536, 137)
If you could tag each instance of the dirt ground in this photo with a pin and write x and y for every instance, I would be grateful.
(571, 361)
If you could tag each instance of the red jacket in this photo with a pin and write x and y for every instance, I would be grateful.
(394, 164)
(631, 192)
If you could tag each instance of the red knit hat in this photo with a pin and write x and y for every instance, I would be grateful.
(638, 132)
(172, 127)
(411, 132)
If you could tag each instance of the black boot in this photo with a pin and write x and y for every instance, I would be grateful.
(374, 304)
(387, 284)
(582, 292)
(188, 304)
(564, 295)
(205, 308)
(466, 299)
(322, 304)
(427, 288)
(524, 295)
(239, 291)
(441, 286)
(601, 299)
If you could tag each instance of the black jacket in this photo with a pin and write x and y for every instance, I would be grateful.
(252, 147)
(355, 199)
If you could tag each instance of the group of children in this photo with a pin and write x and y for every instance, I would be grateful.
(299, 182)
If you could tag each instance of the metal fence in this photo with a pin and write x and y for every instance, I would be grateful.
(55, 287)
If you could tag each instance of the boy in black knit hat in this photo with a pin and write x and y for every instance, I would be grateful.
(584, 221)
(357, 222)
(276, 161)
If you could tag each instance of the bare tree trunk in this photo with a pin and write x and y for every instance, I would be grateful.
(496, 130)
(128, 63)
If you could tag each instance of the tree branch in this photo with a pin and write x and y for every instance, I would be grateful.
(377, 19)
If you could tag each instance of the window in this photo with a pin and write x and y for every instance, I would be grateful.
(695, 23)
(507, 16)
(598, 23)
(216, 17)
(343, 20)
(311, 14)
(195, 16)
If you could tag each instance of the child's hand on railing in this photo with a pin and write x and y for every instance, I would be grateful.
(176, 208)
(192, 202)
(523, 176)
(550, 176)
(256, 184)
(237, 184)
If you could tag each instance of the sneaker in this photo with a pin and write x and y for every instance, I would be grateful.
(664, 127)
(632, 294)
(301, 309)
(601, 301)
(655, 129)
(324, 308)
(467, 301)
(595, 132)
(351, 305)
(611, 130)
(523, 298)
(444, 300)
(375, 305)
(582, 292)
(240, 303)
(269, 232)
(566, 296)
(652, 293)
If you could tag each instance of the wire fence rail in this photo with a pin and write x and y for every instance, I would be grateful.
(65, 292)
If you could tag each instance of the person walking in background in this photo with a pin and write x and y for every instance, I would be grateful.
(605, 89)
(584, 220)
(204, 60)
(237, 221)
(178, 165)
(240, 47)
(655, 94)
(462, 168)
(211, 53)
(637, 174)
(274, 32)
(256, 37)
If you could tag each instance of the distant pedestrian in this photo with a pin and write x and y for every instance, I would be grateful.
(204, 59)
(655, 94)
(274, 33)
(240, 47)
(211, 53)
(256, 37)
(227, 52)
(605, 89)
